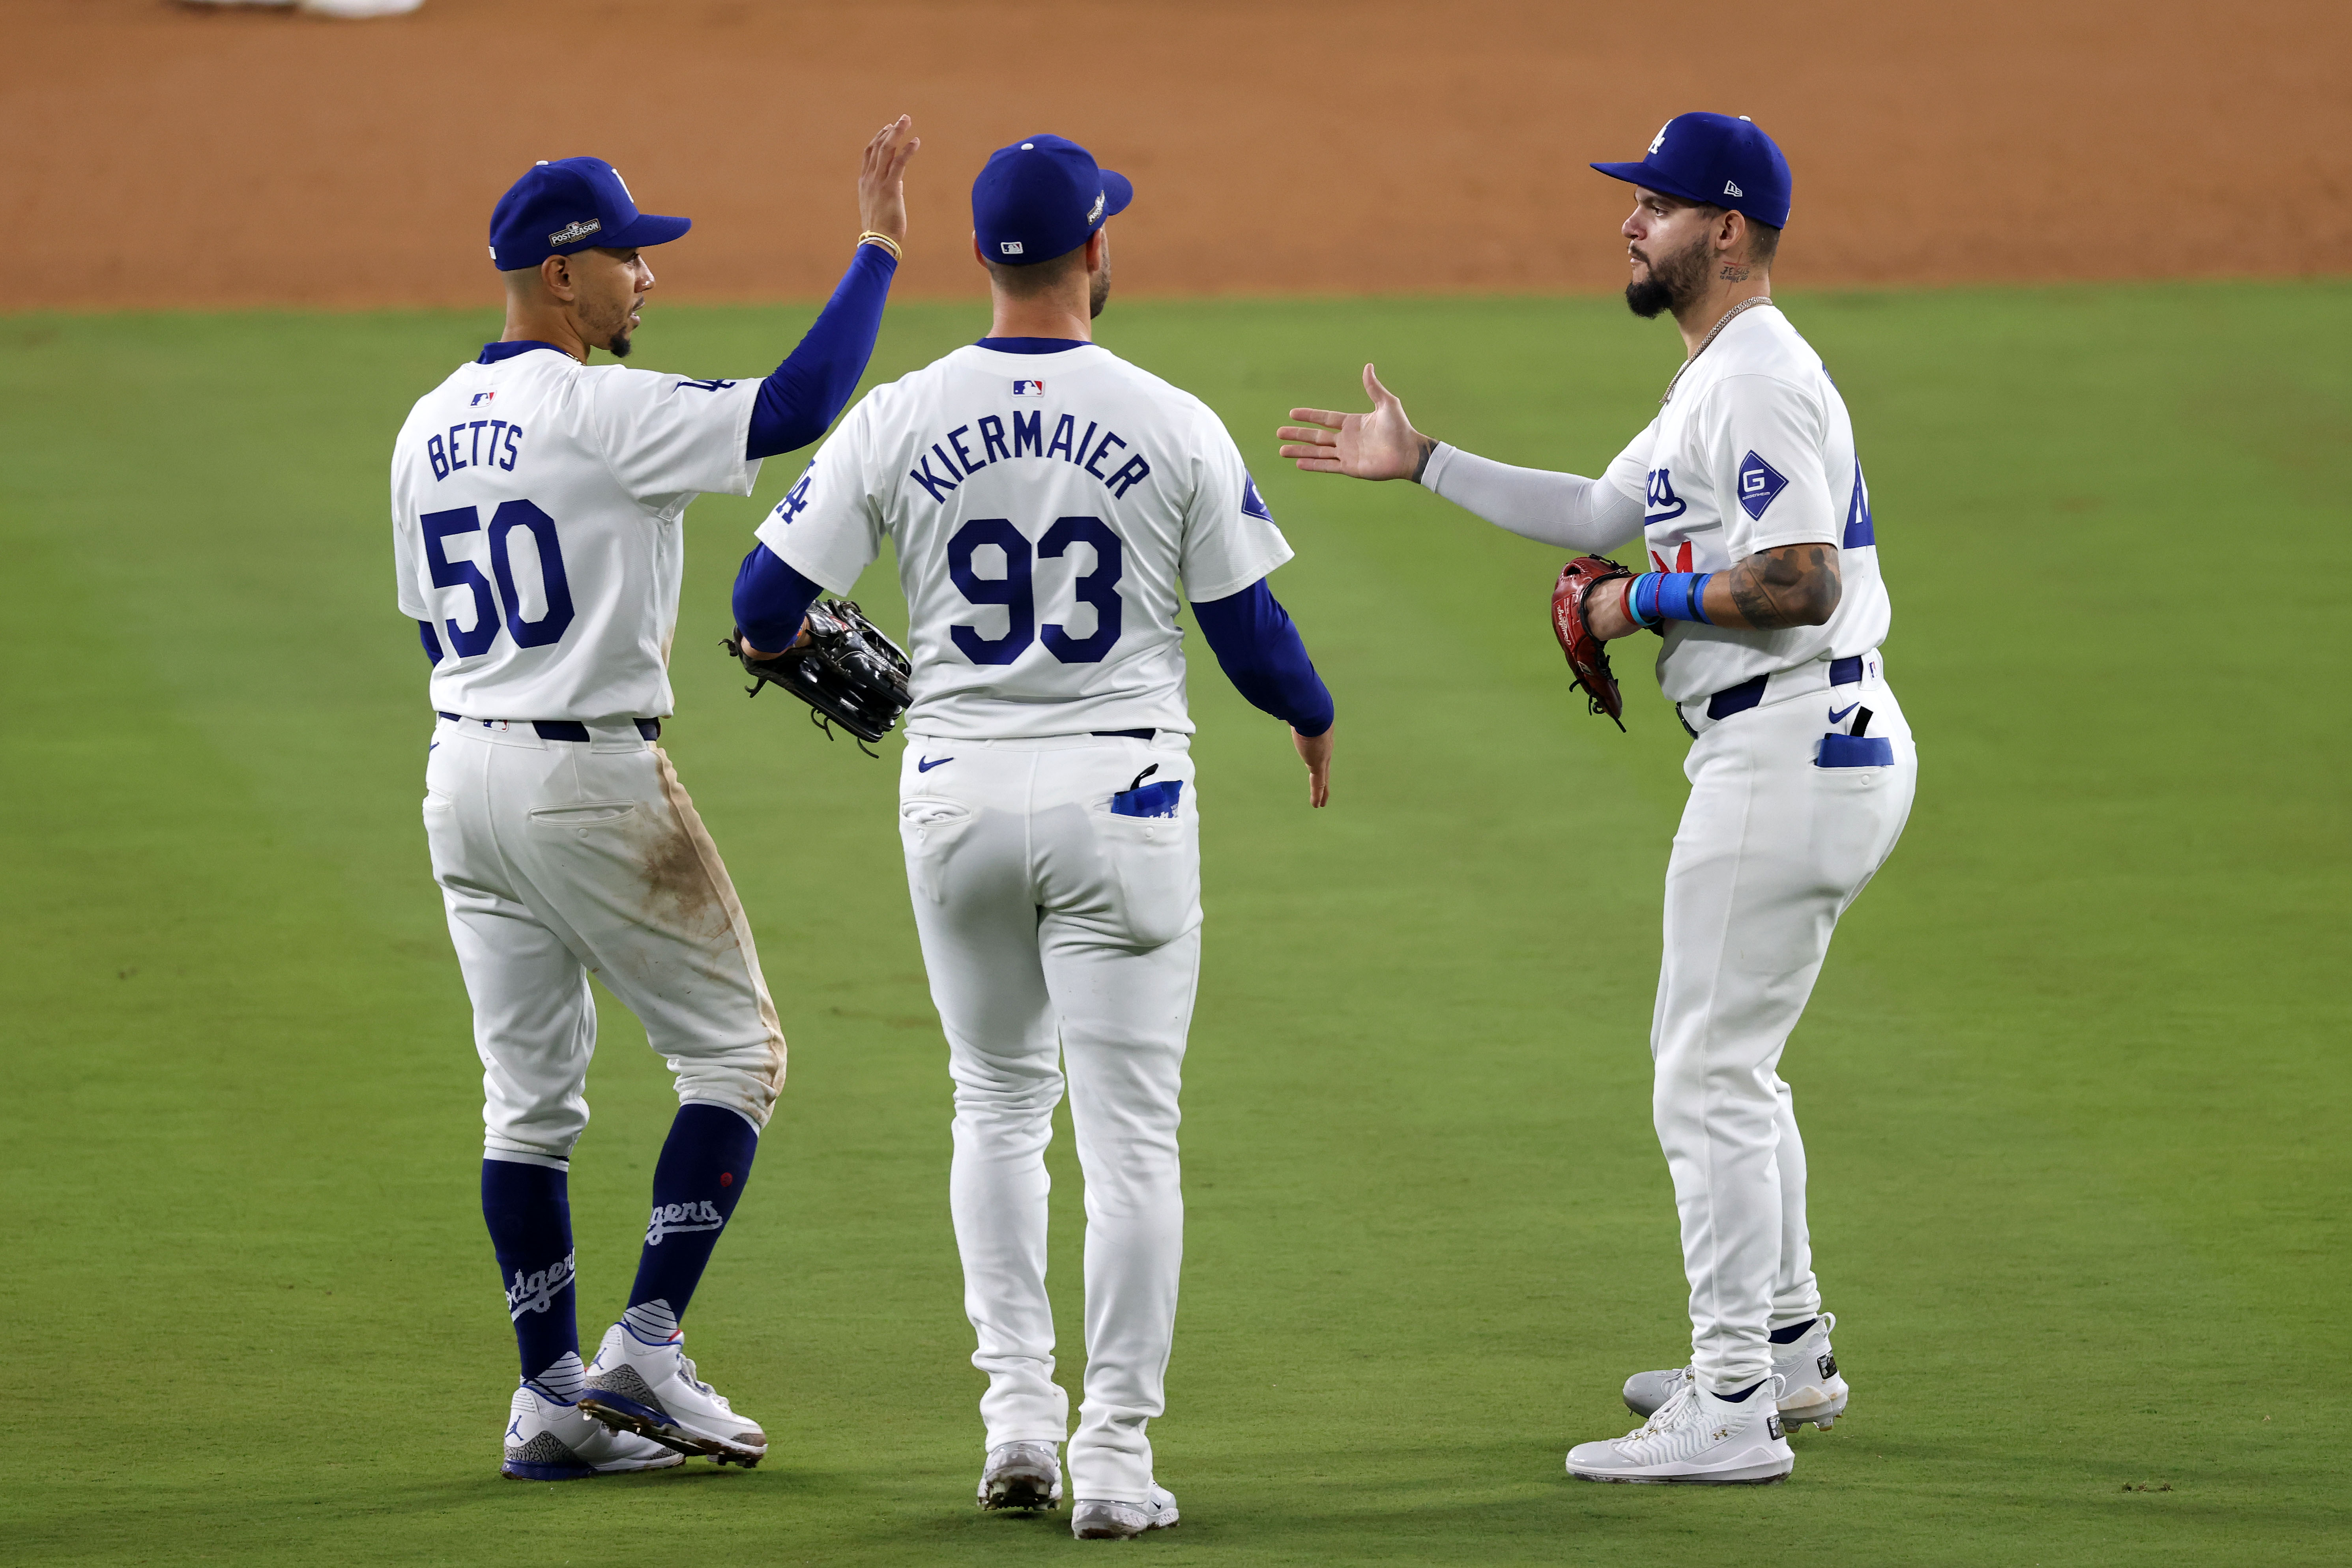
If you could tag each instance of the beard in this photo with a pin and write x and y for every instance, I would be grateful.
(619, 347)
(1674, 282)
(1098, 290)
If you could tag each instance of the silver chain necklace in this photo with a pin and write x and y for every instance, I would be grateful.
(1713, 332)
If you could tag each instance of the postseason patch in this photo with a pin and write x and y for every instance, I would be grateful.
(575, 231)
(1759, 482)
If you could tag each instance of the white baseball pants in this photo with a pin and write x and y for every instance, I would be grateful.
(1770, 851)
(1057, 932)
(560, 858)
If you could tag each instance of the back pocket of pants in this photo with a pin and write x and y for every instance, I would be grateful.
(928, 830)
(1156, 862)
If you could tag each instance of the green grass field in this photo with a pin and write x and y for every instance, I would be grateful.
(2075, 1081)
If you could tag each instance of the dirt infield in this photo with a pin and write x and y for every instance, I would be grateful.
(163, 156)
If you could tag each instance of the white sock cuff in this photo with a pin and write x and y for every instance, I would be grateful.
(651, 1321)
(563, 1380)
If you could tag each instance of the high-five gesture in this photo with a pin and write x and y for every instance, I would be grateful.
(1382, 445)
(881, 183)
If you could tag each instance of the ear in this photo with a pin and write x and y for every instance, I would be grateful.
(1098, 247)
(977, 254)
(1731, 233)
(555, 277)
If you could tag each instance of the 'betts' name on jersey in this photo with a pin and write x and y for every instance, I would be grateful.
(535, 511)
(1755, 451)
(1044, 508)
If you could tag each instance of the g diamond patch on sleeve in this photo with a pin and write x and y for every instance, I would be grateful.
(1758, 483)
(1252, 504)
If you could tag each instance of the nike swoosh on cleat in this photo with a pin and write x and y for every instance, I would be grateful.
(1837, 715)
(924, 765)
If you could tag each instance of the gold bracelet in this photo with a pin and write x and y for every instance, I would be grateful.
(884, 240)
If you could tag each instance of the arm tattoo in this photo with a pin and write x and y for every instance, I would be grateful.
(1428, 450)
(1797, 586)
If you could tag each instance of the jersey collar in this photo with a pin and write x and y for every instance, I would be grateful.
(1033, 345)
(493, 352)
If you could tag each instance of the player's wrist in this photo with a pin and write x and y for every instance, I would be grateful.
(880, 241)
(1428, 449)
(1655, 597)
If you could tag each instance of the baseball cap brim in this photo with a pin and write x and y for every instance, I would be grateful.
(650, 228)
(1118, 191)
(1649, 178)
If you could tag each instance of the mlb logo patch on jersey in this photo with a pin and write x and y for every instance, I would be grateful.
(1028, 389)
(479, 398)
(1759, 482)
(1253, 503)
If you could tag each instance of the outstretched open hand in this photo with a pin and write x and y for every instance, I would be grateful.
(881, 182)
(1382, 445)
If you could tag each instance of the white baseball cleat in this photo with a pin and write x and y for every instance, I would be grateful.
(1696, 1438)
(1020, 1474)
(547, 1440)
(1816, 1393)
(651, 1390)
(358, 10)
(1100, 1520)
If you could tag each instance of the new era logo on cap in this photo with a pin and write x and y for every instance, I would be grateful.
(1731, 190)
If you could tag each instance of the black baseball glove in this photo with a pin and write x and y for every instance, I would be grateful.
(845, 670)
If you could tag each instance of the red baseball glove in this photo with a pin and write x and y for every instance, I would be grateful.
(1588, 656)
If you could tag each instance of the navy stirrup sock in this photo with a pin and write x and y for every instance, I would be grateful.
(1793, 1332)
(1742, 1394)
(529, 1210)
(700, 1175)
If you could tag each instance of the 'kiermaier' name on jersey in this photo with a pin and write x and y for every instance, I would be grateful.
(1043, 507)
(1754, 452)
(535, 516)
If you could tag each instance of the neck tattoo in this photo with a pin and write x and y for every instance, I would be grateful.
(1713, 332)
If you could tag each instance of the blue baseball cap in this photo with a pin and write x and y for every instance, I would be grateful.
(569, 205)
(1719, 159)
(1040, 198)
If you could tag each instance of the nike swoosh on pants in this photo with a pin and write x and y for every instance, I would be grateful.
(1837, 715)
(924, 765)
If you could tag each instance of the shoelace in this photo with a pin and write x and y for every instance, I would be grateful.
(1669, 1416)
(686, 1365)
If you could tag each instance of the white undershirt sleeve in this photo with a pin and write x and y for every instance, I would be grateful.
(1566, 510)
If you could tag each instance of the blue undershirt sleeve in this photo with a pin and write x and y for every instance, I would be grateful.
(771, 600)
(1260, 652)
(432, 643)
(812, 386)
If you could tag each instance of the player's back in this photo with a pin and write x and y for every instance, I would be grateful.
(535, 508)
(1045, 508)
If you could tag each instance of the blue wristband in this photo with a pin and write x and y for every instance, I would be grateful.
(1669, 595)
(1641, 599)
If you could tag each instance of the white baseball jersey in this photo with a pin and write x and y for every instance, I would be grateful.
(1044, 508)
(1754, 451)
(535, 516)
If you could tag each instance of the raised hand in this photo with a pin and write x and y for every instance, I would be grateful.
(881, 183)
(1382, 445)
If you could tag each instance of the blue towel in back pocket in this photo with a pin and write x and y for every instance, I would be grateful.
(1856, 751)
(1148, 800)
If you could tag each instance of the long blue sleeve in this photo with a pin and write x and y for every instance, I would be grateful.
(811, 387)
(771, 600)
(1260, 652)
